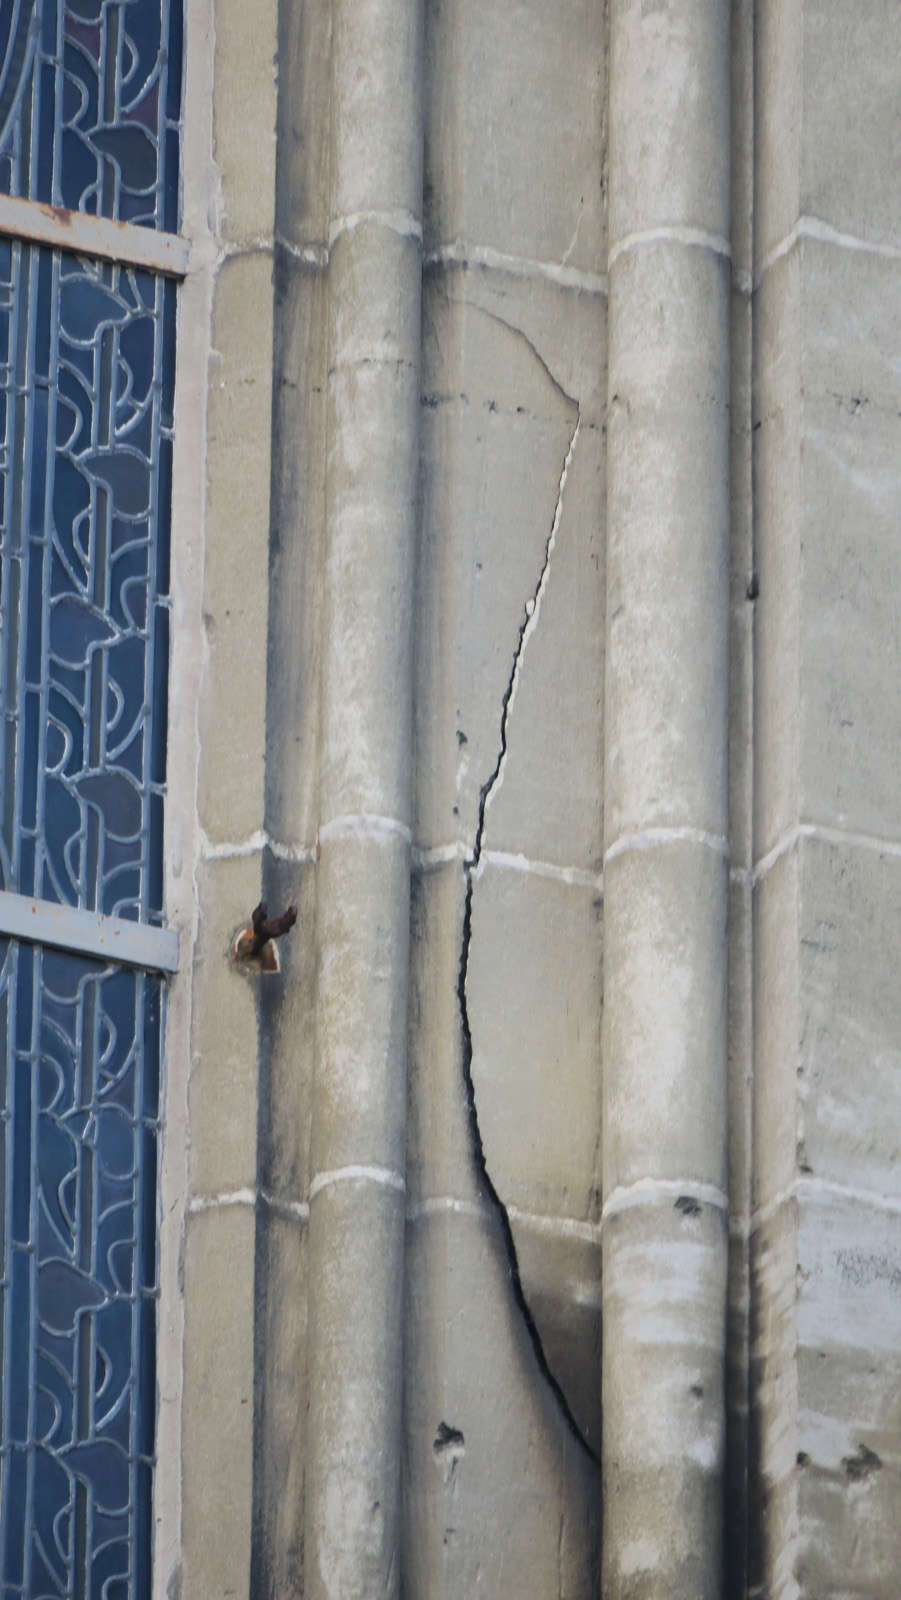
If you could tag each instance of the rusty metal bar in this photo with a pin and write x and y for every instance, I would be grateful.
(136, 944)
(94, 236)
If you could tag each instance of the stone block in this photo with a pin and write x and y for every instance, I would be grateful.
(849, 1383)
(777, 489)
(664, 1306)
(850, 127)
(218, 1402)
(669, 82)
(850, 562)
(296, 552)
(302, 177)
(665, 999)
(491, 399)
(534, 995)
(288, 1037)
(741, 1047)
(849, 1016)
(501, 1501)
(232, 715)
(361, 1020)
(376, 60)
(223, 1086)
(776, 1030)
(281, 1377)
(773, 1476)
(827, 1371)
(440, 1158)
(778, 51)
(668, 551)
(244, 115)
(514, 130)
(355, 1375)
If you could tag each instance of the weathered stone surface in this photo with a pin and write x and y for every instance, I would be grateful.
(664, 1291)
(222, 1092)
(514, 102)
(236, 581)
(217, 1454)
(534, 990)
(512, 1507)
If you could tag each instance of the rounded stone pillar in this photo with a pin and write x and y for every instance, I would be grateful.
(666, 800)
(359, 1104)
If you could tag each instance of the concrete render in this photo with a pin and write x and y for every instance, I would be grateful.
(534, 1231)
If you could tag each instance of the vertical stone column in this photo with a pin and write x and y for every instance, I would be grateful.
(666, 799)
(359, 1109)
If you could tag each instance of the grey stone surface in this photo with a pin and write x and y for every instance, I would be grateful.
(667, 576)
(666, 73)
(513, 1508)
(513, 98)
(236, 591)
(355, 1377)
(222, 1091)
(244, 116)
(217, 1455)
(491, 400)
(359, 1110)
(534, 991)
(664, 1293)
(665, 910)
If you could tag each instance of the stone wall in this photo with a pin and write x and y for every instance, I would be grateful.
(536, 517)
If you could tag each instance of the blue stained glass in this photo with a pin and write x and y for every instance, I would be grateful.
(90, 106)
(85, 472)
(79, 1136)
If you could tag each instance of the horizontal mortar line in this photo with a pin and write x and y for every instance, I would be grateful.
(233, 849)
(810, 227)
(426, 857)
(462, 253)
(650, 838)
(654, 1191)
(358, 1174)
(694, 238)
(366, 824)
(227, 850)
(291, 1210)
(507, 861)
(559, 1227)
(742, 282)
(742, 877)
(439, 855)
(313, 254)
(398, 221)
(231, 1197)
(828, 835)
(299, 853)
(812, 1188)
(295, 1210)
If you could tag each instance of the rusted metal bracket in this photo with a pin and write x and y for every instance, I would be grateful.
(252, 945)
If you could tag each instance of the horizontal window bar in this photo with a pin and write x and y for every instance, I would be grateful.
(136, 944)
(94, 236)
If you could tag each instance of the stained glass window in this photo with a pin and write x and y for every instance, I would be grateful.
(89, 122)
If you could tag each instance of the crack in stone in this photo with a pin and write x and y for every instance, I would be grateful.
(472, 870)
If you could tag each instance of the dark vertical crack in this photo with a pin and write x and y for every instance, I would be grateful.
(471, 868)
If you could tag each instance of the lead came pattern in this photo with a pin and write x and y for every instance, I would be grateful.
(86, 398)
(85, 469)
(90, 96)
(79, 1168)
(86, 353)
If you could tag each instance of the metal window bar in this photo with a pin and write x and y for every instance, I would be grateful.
(90, 108)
